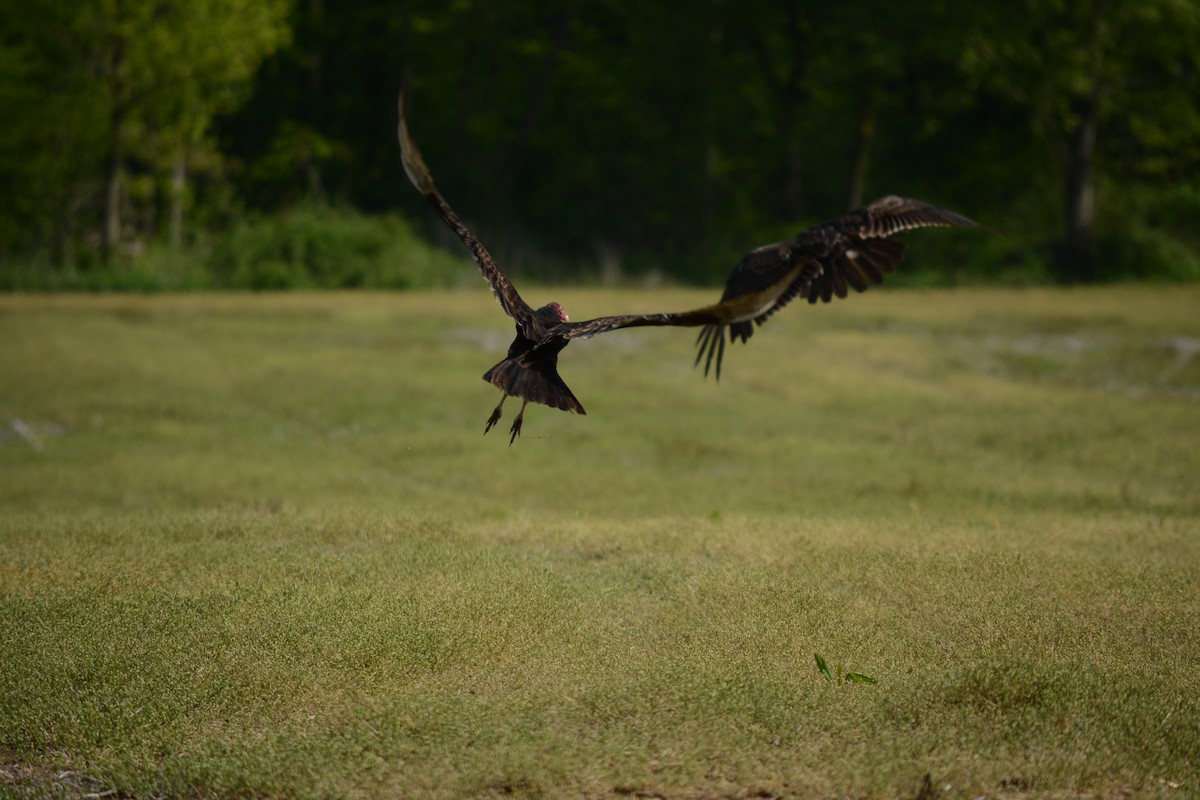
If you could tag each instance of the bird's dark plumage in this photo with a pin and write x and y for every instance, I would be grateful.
(820, 263)
(824, 261)
(531, 369)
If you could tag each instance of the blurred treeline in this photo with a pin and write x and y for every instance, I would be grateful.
(169, 144)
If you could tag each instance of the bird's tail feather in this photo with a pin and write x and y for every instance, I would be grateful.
(536, 386)
(711, 343)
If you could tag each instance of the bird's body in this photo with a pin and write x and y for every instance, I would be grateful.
(530, 371)
(820, 263)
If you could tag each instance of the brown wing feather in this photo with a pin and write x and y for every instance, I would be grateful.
(822, 262)
(687, 319)
(418, 173)
(854, 249)
(759, 271)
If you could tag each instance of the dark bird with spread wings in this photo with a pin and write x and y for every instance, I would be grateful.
(822, 262)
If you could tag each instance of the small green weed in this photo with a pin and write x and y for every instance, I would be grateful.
(850, 677)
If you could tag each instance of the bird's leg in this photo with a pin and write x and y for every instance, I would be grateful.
(721, 354)
(516, 426)
(495, 417)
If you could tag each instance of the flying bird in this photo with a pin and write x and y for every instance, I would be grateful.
(822, 262)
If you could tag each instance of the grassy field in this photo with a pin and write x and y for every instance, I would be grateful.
(256, 545)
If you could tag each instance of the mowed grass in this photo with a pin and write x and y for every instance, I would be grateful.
(256, 545)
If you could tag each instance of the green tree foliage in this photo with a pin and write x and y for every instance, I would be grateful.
(117, 98)
(577, 135)
(53, 136)
(1111, 88)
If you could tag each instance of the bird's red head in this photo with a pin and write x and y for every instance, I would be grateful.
(559, 310)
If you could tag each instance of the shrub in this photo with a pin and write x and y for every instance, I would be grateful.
(321, 247)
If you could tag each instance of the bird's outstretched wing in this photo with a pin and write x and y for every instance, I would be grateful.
(710, 315)
(853, 250)
(418, 173)
(822, 262)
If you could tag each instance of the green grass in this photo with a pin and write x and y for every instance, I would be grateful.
(258, 546)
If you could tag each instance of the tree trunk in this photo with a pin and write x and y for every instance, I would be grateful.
(1079, 185)
(862, 152)
(790, 96)
(63, 253)
(178, 196)
(512, 163)
(794, 186)
(111, 239)
(315, 57)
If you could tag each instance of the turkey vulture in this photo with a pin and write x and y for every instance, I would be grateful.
(820, 263)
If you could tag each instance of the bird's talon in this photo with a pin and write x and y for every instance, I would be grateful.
(496, 414)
